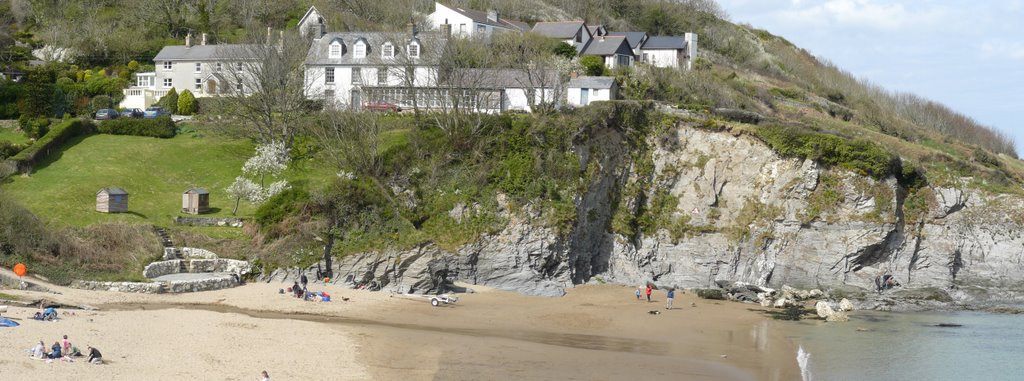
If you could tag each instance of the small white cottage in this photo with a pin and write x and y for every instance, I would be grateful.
(583, 90)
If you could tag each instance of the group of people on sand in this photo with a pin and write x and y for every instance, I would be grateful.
(63, 350)
(670, 295)
(301, 291)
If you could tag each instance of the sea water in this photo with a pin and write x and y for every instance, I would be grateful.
(911, 346)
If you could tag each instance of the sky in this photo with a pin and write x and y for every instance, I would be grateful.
(966, 54)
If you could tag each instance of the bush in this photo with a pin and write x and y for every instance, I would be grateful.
(186, 103)
(51, 141)
(592, 65)
(281, 205)
(564, 49)
(861, 156)
(736, 115)
(710, 293)
(8, 149)
(162, 127)
(169, 101)
(34, 127)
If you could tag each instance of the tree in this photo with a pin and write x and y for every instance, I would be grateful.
(169, 101)
(186, 103)
(563, 49)
(351, 140)
(270, 160)
(592, 65)
(242, 188)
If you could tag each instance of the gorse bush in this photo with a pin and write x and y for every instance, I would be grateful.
(187, 103)
(162, 127)
(169, 101)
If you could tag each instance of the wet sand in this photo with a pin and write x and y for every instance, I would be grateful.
(595, 332)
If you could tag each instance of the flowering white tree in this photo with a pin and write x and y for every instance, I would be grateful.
(270, 160)
(243, 188)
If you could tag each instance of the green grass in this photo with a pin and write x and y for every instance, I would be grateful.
(13, 135)
(9, 296)
(154, 171)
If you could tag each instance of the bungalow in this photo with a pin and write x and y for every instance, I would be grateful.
(583, 90)
(670, 51)
(472, 23)
(574, 33)
(635, 40)
(613, 49)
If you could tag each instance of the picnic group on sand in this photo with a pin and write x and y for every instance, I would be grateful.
(669, 296)
(63, 350)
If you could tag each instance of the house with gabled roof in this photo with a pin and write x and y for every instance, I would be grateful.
(312, 23)
(614, 50)
(635, 40)
(464, 22)
(670, 51)
(574, 33)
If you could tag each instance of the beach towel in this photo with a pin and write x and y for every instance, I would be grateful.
(8, 323)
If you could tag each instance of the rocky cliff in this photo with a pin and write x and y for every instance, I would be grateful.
(699, 205)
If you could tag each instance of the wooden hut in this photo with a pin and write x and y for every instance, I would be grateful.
(112, 200)
(195, 201)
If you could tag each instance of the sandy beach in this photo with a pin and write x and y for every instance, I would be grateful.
(595, 332)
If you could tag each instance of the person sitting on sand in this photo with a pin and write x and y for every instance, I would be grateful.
(296, 290)
(94, 356)
(55, 351)
(264, 376)
(50, 313)
(38, 351)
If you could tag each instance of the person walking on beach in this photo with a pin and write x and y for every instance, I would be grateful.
(671, 295)
(638, 294)
(304, 281)
(649, 289)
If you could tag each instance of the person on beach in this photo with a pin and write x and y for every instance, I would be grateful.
(55, 351)
(264, 376)
(638, 294)
(649, 289)
(94, 356)
(38, 351)
(296, 290)
(66, 345)
(304, 281)
(671, 295)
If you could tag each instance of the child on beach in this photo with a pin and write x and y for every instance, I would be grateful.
(638, 294)
(671, 295)
(649, 293)
(66, 345)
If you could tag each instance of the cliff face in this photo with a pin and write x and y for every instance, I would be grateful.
(735, 211)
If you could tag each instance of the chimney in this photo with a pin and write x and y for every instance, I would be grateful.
(188, 40)
(268, 34)
(412, 29)
(203, 41)
(573, 74)
(446, 30)
(280, 40)
(492, 15)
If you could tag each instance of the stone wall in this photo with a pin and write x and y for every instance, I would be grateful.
(209, 221)
(196, 253)
(208, 284)
(158, 269)
(218, 265)
(137, 287)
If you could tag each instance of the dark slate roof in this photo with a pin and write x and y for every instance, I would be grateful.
(665, 42)
(634, 38)
(592, 82)
(113, 191)
(593, 29)
(197, 191)
(558, 29)
(320, 49)
(607, 46)
(481, 18)
(204, 52)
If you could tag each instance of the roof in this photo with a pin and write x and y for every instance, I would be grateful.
(197, 190)
(480, 17)
(204, 52)
(592, 82)
(665, 42)
(634, 38)
(506, 79)
(113, 191)
(608, 46)
(312, 10)
(594, 29)
(558, 29)
(319, 50)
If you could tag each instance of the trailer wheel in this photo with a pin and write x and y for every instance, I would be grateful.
(434, 302)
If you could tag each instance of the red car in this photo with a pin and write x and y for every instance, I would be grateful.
(385, 107)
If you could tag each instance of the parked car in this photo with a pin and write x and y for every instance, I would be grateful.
(132, 113)
(385, 107)
(106, 113)
(154, 112)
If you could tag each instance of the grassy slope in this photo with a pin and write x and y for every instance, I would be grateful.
(154, 171)
(12, 135)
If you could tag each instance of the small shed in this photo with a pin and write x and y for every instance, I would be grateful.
(112, 200)
(195, 201)
(583, 90)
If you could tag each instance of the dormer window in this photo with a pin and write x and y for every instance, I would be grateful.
(335, 50)
(387, 51)
(359, 50)
(414, 50)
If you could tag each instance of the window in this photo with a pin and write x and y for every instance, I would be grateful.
(623, 60)
(647, 57)
(480, 28)
(329, 75)
(167, 65)
(414, 50)
(462, 28)
(360, 50)
(199, 84)
(335, 50)
(329, 95)
(167, 82)
(357, 76)
(199, 67)
(219, 66)
(382, 76)
(388, 51)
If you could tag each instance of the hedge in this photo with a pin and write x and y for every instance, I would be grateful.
(162, 127)
(54, 139)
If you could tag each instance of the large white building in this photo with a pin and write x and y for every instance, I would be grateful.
(464, 22)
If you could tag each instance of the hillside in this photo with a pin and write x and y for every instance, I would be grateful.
(764, 164)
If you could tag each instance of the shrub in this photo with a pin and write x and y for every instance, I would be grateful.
(52, 140)
(34, 127)
(169, 101)
(592, 65)
(861, 156)
(710, 293)
(565, 50)
(186, 103)
(8, 149)
(101, 102)
(162, 127)
(281, 205)
(736, 115)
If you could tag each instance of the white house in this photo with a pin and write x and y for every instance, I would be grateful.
(201, 69)
(312, 23)
(468, 22)
(614, 50)
(670, 51)
(574, 33)
(583, 90)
